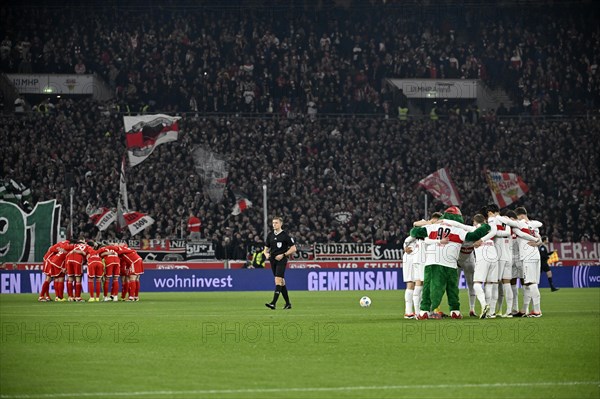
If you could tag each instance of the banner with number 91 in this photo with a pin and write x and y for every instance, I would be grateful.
(25, 237)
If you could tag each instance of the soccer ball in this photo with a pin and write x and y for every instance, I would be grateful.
(365, 302)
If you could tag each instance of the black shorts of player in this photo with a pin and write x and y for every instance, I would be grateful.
(278, 267)
(545, 267)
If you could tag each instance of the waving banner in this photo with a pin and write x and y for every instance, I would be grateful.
(144, 132)
(442, 187)
(101, 217)
(137, 221)
(506, 188)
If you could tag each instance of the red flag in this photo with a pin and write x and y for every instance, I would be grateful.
(442, 187)
(506, 188)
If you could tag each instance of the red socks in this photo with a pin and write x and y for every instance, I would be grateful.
(132, 287)
(59, 289)
(45, 289)
(124, 290)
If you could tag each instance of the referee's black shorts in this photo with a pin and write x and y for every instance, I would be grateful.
(545, 267)
(278, 267)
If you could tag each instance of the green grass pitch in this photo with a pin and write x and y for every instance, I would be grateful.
(229, 345)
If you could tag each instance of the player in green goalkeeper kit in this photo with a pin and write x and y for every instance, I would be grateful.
(441, 271)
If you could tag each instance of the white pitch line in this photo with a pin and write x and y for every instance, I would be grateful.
(306, 389)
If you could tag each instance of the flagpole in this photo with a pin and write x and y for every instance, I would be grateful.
(71, 192)
(265, 222)
(122, 200)
(425, 194)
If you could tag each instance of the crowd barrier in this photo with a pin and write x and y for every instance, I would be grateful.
(193, 280)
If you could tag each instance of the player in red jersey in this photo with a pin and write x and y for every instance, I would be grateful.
(135, 268)
(46, 269)
(132, 268)
(95, 269)
(74, 263)
(54, 269)
(112, 267)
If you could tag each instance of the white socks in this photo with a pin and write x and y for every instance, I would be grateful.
(478, 288)
(417, 297)
(508, 294)
(408, 302)
(535, 297)
(515, 291)
(499, 298)
(491, 296)
(472, 294)
(526, 298)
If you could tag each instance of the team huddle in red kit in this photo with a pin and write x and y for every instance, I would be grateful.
(106, 265)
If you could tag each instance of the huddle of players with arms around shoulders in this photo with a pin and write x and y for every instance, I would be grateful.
(493, 253)
(106, 266)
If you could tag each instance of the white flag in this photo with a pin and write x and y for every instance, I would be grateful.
(240, 206)
(102, 217)
(506, 188)
(144, 132)
(137, 221)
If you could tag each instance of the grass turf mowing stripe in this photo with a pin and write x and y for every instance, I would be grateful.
(305, 389)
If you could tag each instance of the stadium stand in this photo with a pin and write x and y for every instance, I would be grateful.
(243, 79)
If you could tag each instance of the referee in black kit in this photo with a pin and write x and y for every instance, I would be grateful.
(278, 248)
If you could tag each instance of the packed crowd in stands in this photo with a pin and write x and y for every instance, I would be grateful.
(280, 64)
(314, 170)
(287, 59)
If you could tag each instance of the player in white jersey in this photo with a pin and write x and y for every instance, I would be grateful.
(486, 269)
(486, 266)
(417, 262)
(502, 241)
(466, 261)
(407, 276)
(528, 241)
(517, 266)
